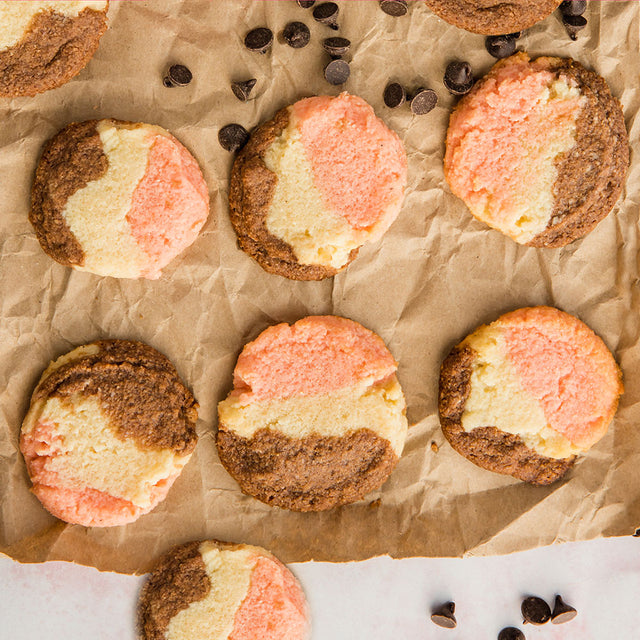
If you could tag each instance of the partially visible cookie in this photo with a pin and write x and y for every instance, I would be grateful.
(117, 198)
(221, 591)
(45, 44)
(538, 150)
(109, 429)
(528, 393)
(316, 418)
(315, 183)
(493, 17)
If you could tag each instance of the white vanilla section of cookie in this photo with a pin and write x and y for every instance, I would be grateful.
(16, 15)
(213, 617)
(380, 408)
(498, 399)
(89, 453)
(109, 247)
(297, 213)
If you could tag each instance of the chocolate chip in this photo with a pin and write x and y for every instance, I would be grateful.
(337, 72)
(458, 78)
(636, 533)
(327, 13)
(562, 612)
(515, 35)
(296, 35)
(511, 633)
(177, 76)
(306, 4)
(233, 137)
(395, 8)
(573, 7)
(500, 46)
(394, 95)
(259, 39)
(535, 610)
(423, 101)
(574, 24)
(242, 90)
(336, 46)
(443, 615)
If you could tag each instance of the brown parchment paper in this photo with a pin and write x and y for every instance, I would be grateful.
(435, 275)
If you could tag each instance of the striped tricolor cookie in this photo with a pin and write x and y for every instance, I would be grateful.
(109, 429)
(493, 17)
(538, 150)
(314, 184)
(316, 418)
(45, 44)
(220, 591)
(526, 394)
(117, 198)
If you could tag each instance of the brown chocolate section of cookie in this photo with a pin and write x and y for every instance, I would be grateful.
(70, 160)
(139, 389)
(592, 174)
(312, 473)
(488, 447)
(54, 49)
(493, 17)
(250, 194)
(179, 579)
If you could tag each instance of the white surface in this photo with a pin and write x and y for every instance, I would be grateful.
(373, 600)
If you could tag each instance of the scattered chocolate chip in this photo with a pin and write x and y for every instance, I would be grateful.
(511, 633)
(573, 7)
(500, 46)
(515, 35)
(337, 72)
(242, 90)
(535, 610)
(562, 612)
(259, 39)
(327, 13)
(336, 46)
(434, 446)
(394, 95)
(458, 78)
(296, 35)
(573, 25)
(306, 4)
(423, 101)
(395, 8)
(443, 615)
(177, 76)
(233, 137)
(636, 533)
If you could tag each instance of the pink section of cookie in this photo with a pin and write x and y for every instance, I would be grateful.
(316, 355)
(274, 607)
(567, 368)
(65, 499)
(169, 205)
(359, 165)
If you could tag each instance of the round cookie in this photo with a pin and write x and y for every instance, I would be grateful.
(315, 183)
(45, 44)
(493, 17)
(221, 591)
(108, 431)
(526, 394)
(316, 418)
(538, 150)
(117, 198)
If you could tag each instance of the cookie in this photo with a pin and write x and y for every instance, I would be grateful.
(316, 418)
(314, 184)
(526, 394)
(117, 199)
(108, 431)
(492, 17)
(220, 591)
(538, 150)
(45, 44)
